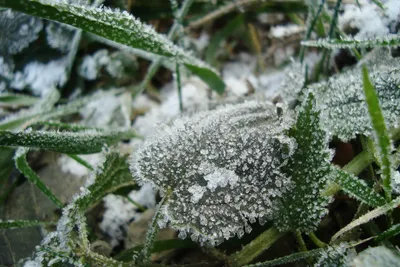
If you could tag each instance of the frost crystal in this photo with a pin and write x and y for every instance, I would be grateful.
(17, 31)
(337, 256)
(302, 207)
(377, 256)
(221, 167)
(341, 98)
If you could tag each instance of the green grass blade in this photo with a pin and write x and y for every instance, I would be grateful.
(81, 161)
(17, 100)
(381, 134)
(120, 27)
(391, 232)
(12, 224)
(25, 169)
(357, 188)
(367, 217)
(256, 247)
(87, 142)
(390, 40)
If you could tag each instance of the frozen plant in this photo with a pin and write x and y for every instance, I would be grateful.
(220, 168)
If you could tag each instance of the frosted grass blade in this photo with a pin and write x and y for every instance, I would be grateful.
(117, 26)
(86, 142)
(390, 40)
(357, 188)
(367, 217)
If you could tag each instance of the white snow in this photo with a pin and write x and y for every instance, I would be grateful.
(41, 77)
(281, 31)
(120, 212)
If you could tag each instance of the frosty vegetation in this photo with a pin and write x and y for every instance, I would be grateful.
(254, 152)
(196, 159)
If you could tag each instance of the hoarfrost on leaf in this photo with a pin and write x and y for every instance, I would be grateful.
(341, 98)
(377, 256)
(302, 207)
(336, 256)
(222, 165)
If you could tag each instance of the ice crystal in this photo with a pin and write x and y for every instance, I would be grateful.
(377, 256)
(302, 207)
(341, 99)
(222, 167)
(17, 31)
(336, 256)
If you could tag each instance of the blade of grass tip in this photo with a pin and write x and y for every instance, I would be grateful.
(23, 166)
(81, 161)
(256, 247)
(367, 217)
(381, 134)
(391, 232)
(14, 224)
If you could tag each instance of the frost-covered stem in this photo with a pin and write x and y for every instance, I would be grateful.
(152, 232)
(171, 34)
(256, 247)
(179, 86)
(300, 241)
(316, 240)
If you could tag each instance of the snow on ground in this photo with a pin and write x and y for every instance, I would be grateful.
(120, 212)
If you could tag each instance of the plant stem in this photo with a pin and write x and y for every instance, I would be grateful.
(256, 247)
(300, 241)
(317, 241)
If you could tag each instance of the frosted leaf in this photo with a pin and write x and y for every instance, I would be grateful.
(396, 182)
(336, 256)
(222, 165)
(302, 207)
(341, 98)
(41, 77)
(59, 36)
(377, 256)
(17, 31)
